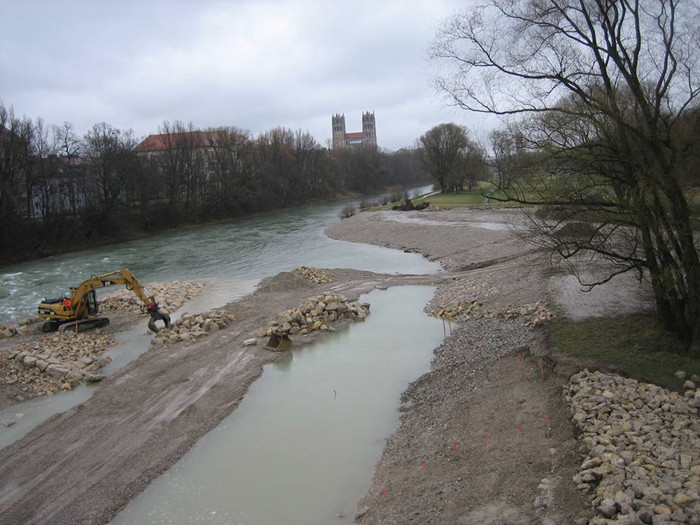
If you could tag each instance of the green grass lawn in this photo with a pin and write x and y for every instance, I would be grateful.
(637, 344)
(463, 199)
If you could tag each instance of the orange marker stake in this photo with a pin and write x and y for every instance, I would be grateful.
(384, 493)
(488, 440)
(520, 356)
(454, 446)
(422, 464)
(542, 369)
(517, 432)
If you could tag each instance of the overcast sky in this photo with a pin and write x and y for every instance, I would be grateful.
(255, 65)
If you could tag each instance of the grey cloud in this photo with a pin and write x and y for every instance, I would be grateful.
(254, 65)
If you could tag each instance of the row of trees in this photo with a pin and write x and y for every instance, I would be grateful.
(58, 188)
(603, 99)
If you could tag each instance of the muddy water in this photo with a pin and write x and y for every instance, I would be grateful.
(301, 447)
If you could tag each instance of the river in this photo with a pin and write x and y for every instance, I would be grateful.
(386, 352)
(236, 254)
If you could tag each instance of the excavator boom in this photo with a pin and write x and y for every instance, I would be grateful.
(81, 306)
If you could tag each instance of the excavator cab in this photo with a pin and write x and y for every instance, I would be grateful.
(92, 306)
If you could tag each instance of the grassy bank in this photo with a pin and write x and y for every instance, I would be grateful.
(638, 345)
(466, 199)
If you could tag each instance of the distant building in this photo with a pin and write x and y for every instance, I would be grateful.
(366, 138)
(177, 140)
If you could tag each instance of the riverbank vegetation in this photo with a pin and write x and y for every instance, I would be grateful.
(637, 345)
(603, 100)
(62, 192)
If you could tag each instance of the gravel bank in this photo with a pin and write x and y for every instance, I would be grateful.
(486, 436)
(84, 465)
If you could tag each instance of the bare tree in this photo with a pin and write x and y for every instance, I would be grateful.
(440, 152)
(111, 156)
(608, 90)
(42, 180)
(447, 153)
(68, 147)
(15, 159)
(232, 190)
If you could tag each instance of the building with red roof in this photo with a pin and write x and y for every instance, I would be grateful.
(365, 138)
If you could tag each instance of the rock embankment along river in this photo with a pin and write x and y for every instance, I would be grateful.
(643, 443)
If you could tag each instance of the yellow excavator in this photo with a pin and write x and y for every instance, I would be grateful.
(79, 309)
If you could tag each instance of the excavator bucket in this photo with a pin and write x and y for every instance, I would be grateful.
(279, 342)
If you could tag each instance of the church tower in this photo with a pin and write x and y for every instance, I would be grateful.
(369, 130)
(338, 123)
(367, 138)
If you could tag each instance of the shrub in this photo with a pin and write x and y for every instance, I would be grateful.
(348, 211)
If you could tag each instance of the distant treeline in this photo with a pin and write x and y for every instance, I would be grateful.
(61, 192)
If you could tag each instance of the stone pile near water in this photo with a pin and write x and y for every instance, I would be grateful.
(7, 331)
(314, 275)
(54, 363)
(191, 327)
(643, 443)
(169, 295)
(465, 309)
(317, 313)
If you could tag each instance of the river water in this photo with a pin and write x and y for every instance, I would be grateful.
(344, 390)
(236, 254)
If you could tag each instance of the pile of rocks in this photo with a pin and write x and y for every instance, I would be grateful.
(643, 443)
(460, 310)
(57, 362)
(456, 309)
(7, 331)
(191, 327)
(170, 296)
(314, 275)
(317, 313)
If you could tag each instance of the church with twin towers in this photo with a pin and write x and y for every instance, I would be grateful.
(361, 139)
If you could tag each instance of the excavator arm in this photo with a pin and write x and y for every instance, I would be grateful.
(125, 277)
(83, 303)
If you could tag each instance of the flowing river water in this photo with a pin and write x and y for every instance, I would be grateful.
(301, 461)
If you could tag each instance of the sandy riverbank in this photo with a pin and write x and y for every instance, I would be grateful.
(85, 465)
